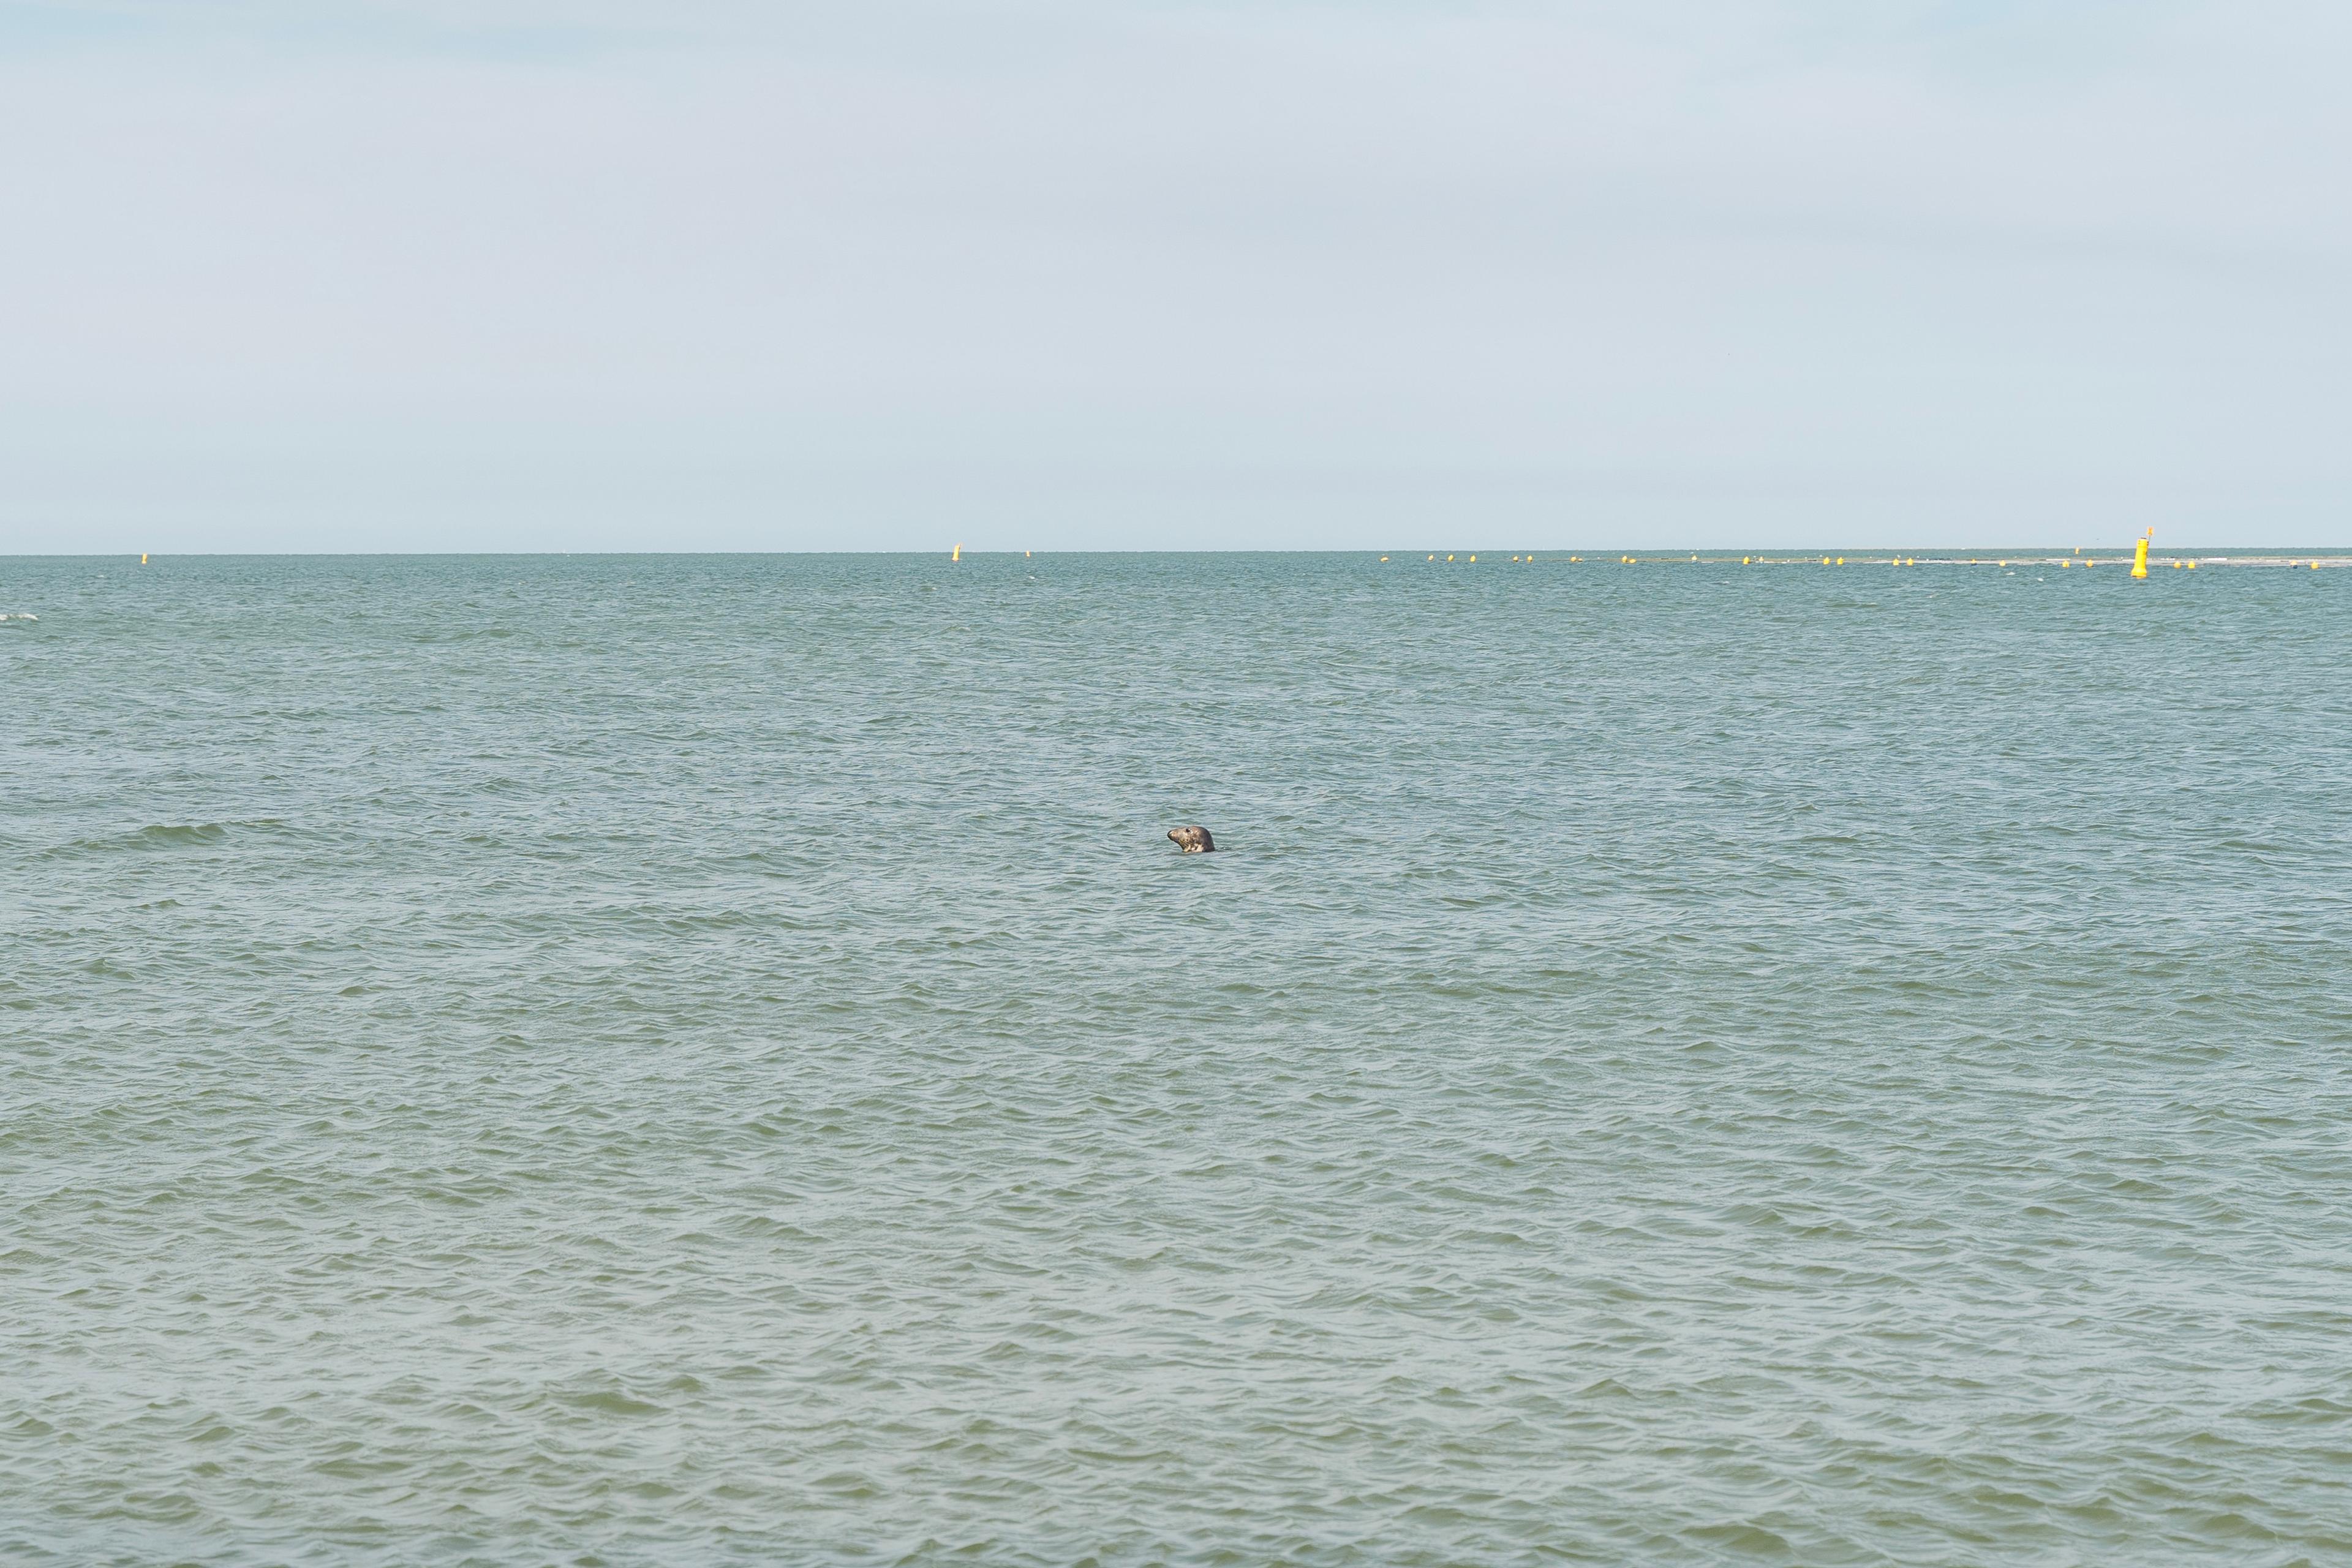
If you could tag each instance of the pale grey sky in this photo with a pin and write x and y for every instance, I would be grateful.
(577, 274)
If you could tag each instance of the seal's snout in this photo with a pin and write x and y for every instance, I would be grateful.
(1193, 841)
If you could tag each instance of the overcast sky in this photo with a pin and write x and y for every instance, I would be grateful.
(580, 274)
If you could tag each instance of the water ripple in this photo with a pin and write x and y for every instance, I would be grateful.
(1677, 1066)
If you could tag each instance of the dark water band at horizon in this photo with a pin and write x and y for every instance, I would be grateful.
(683, 1059)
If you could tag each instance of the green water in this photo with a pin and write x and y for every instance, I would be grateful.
(696, 1060)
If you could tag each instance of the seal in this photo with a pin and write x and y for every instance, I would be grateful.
(1193, 841)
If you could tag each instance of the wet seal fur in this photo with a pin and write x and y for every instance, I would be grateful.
(1193, 841)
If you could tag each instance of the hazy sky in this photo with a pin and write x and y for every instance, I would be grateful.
(580, 274)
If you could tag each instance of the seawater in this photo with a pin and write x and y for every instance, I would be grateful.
(704, 1061)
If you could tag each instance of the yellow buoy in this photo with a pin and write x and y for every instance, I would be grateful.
(1841, 560)
(957, 553)
(1431, 558)
(2139, 558)
(1474, 558)
(143, 558)
(1747, 561)
(1449, 558)
(2192, 566)
(1384, 558)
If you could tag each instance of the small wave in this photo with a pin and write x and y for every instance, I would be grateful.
(166, 834)
(171, 835)
(155, 835)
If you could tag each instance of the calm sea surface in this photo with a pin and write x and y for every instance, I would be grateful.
(676, 1060)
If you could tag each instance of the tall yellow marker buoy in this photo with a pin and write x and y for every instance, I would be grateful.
(957, 553)
(143, 558)
(2139, 557)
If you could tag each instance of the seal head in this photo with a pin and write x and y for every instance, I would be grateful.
(1193, 841)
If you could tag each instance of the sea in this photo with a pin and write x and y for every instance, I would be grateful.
(681, 1060)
